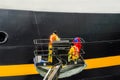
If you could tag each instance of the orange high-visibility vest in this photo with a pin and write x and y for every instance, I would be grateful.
(54, 37)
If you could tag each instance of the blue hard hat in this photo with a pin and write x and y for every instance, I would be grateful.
(77, 39)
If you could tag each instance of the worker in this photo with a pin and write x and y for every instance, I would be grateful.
(74, 52)
(53, 37)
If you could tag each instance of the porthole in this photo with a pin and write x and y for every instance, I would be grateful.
(3, 37)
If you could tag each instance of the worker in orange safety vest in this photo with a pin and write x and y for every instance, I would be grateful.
(53, 37)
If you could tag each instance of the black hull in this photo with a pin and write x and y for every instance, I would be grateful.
(24, 26)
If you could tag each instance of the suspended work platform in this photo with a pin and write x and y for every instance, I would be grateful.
(60, 67)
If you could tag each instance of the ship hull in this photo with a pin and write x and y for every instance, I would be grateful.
(22, 27)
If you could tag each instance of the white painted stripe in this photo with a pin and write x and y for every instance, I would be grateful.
(77, 6)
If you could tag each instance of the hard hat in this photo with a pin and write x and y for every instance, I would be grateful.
(77, 39)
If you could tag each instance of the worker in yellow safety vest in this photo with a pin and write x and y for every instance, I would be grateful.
(53, 37)
(74, 52)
